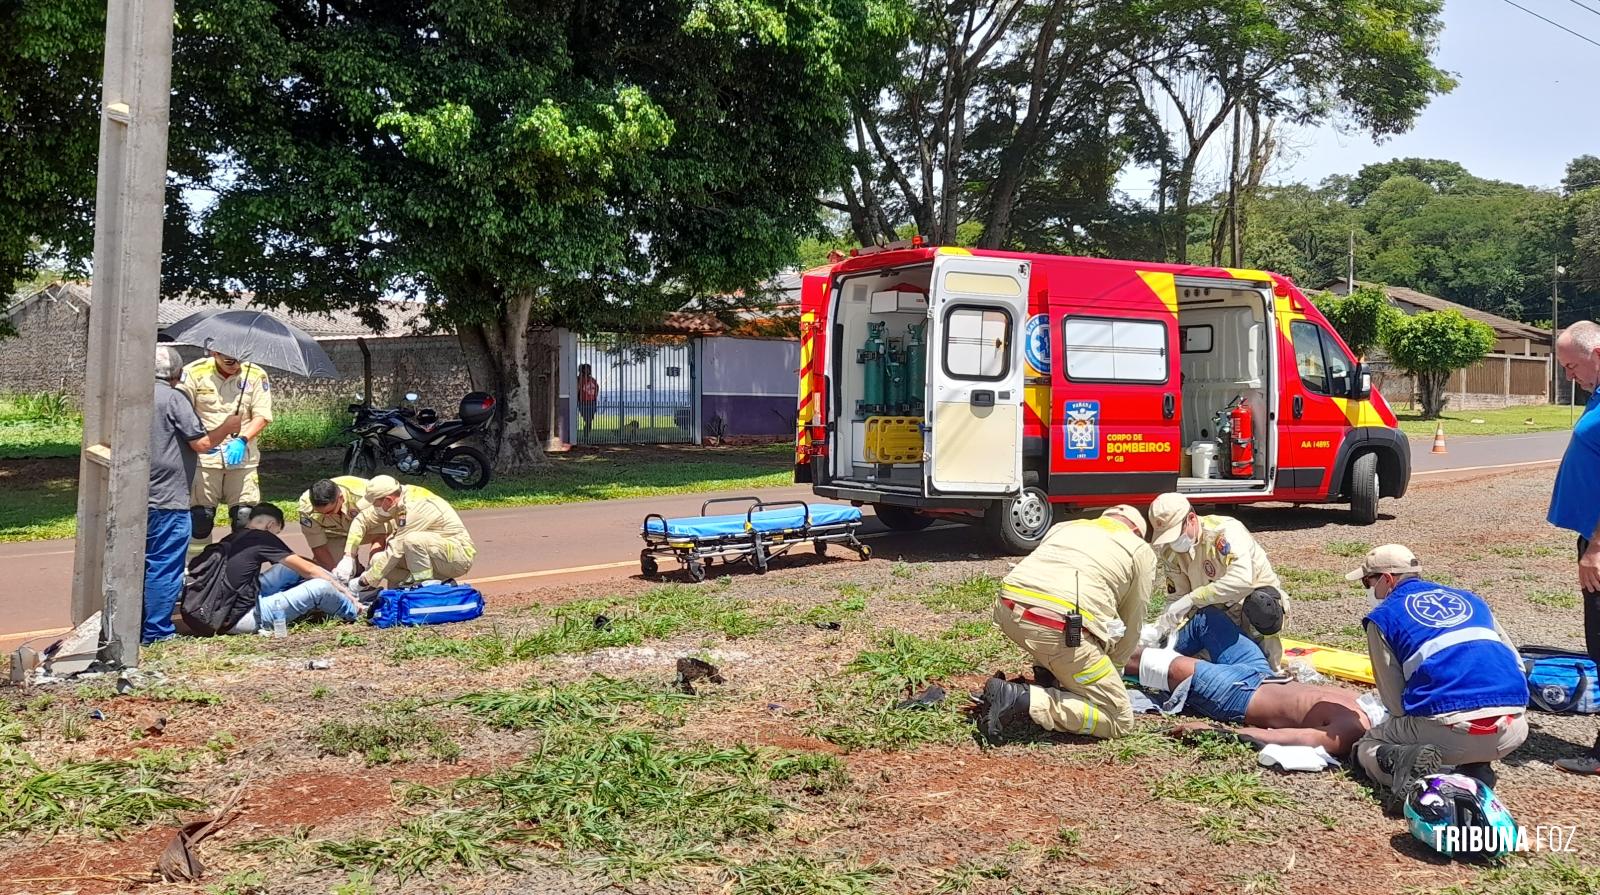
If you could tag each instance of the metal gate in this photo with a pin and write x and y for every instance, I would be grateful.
(644, 389)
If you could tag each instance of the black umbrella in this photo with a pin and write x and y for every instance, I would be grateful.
(257, 337)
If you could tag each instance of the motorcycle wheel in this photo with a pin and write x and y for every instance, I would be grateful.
(361, 459)
(464, 468)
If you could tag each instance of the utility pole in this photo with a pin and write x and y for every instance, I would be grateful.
(114, 472)
(1555, 331)
(1350, 281)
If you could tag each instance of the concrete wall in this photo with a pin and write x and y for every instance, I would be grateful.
(750, 385)
(47, 355)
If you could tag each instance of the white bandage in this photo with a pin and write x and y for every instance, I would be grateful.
(1153, 665)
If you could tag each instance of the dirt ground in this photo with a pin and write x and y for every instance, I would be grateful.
(917, 809)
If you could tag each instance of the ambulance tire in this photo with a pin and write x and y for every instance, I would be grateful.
(1017, 525)
(1364, 489)
(900, 518)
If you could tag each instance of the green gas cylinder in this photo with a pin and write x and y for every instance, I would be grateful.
(872, 358)
(895, 376)
(916, 364)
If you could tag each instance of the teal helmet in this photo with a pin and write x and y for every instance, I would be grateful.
(1459, 816)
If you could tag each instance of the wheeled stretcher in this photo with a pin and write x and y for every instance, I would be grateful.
(762, 531)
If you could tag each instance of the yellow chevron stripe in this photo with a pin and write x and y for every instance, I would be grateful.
(1165, 286)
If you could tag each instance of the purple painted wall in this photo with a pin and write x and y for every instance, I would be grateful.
(750, 414)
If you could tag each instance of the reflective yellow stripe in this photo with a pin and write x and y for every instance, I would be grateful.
(805, 412)
(1091, 720)
(1036, 595)
(1094, 672)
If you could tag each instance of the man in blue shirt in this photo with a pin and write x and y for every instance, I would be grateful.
(1448, 675)
(1575, 502)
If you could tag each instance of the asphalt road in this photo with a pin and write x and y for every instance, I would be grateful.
(524, 547)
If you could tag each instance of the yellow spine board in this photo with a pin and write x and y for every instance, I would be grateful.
(1336, 663)
(893, 439)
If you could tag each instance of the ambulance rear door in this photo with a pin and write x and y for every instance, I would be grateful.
(976, 311)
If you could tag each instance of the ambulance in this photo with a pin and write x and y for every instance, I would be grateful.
(1006, 389)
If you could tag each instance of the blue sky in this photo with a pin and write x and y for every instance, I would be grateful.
(1525, 106)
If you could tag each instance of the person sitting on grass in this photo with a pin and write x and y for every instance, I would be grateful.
(1234, 686)
(229, 593)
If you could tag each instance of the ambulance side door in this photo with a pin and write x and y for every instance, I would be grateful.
(1117, 399)
(1315, 424)
(976, 312)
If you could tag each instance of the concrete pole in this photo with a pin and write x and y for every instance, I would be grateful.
(114, 472)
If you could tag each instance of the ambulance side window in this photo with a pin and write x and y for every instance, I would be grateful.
(1105, 349)
(1323, 365)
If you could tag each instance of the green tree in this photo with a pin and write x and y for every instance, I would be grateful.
(1362, 318)
(1583, 173)
(580, 163)
(1432, 345)
(49, 133)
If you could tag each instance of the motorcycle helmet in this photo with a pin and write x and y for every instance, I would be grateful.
(1458, 816)
(427, 416)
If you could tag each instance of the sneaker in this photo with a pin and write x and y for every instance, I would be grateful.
(1006, 703)
(1405, 765)
(1588, 763)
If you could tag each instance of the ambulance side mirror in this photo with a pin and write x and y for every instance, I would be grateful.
(1360, 386)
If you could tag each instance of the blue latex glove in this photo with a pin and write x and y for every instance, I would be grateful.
(233, 452)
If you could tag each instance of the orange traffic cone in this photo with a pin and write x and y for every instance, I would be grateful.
(1438, 440)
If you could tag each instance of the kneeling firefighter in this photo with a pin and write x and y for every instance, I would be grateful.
(1075, 605)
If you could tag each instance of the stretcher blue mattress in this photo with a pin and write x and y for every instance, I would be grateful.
(766, 521)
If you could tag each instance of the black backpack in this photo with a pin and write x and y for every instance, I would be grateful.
(207, 607)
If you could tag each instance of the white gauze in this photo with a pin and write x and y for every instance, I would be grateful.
(1153, 665)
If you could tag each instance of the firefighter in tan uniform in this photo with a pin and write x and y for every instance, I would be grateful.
(220, 385)
(1215, 561)
(426, 540)
(1100, 571)
(326, 510)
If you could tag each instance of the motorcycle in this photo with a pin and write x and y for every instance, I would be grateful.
(416, 442)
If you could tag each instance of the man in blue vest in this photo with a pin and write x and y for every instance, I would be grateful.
(1448, 674)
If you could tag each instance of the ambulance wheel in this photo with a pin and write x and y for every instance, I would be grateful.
(1018, 524)
(900, 518)
(697, 570)
(647, 565)
(1364, 489)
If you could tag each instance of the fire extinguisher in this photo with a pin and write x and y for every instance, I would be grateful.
(1242, 448)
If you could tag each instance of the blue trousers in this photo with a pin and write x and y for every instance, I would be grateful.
(1221, 688)
(165, 543)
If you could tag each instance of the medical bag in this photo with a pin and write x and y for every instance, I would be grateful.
(427, 604)
(1561, 681)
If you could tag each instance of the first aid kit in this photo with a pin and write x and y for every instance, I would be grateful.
(427, 604)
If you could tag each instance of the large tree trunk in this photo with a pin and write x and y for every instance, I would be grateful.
(517, 445)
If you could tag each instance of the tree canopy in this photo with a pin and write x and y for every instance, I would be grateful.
(1432, 345)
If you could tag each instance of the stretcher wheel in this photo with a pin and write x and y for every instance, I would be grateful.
(697, 570)
(866, 551)
(821, 547)
(647, 565)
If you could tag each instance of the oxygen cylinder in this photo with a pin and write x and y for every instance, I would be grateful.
(1242, 447)
(894, 372)
(872, 358)
(916, 365)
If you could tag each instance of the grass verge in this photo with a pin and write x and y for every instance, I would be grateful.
(1498, 421)
(103, 796)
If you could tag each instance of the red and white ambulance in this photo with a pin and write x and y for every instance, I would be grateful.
(941, 382)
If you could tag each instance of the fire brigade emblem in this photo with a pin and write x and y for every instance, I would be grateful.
(1211, 569)
(1036, 344)
(1438, 608)
(1082, 430)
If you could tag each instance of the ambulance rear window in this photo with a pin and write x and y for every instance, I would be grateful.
(975, 342)
(1101, 349)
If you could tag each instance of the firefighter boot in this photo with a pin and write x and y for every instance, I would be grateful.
(1006, 702)
(1405, 765)
(1044, 677)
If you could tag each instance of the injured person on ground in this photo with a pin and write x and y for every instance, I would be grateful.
(1236, 685)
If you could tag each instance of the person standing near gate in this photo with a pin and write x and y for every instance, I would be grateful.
(1575, 501)
(220, 386)
(588, 398)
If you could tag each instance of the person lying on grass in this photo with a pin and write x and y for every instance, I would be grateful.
(1234, 687)
(229, 593)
